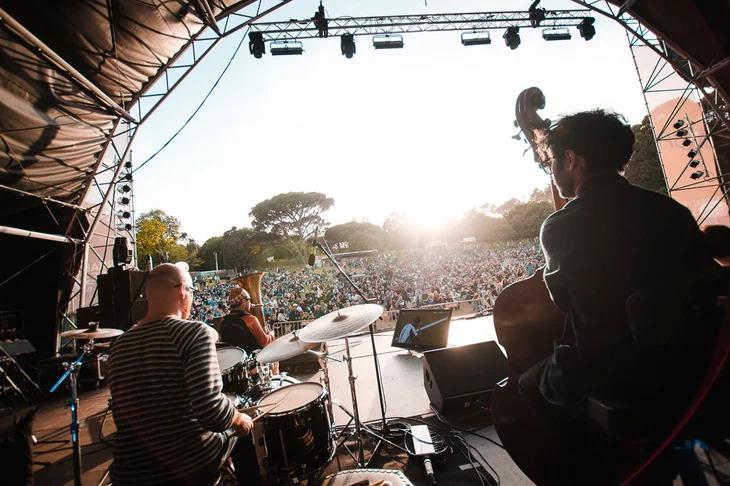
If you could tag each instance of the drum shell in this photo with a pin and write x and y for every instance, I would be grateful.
(298, 442)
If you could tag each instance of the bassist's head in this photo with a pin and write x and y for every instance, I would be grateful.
(584, 144)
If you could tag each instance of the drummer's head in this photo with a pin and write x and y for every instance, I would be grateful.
(169, 290)
(239, 298)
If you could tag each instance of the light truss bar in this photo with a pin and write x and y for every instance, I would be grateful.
(304, 29)
(42, 198)
(61, 64)
(208, 15)
(9, 230)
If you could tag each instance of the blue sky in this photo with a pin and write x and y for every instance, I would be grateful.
(424, 130)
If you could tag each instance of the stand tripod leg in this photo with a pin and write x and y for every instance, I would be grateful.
(356, 414)
(74, 405)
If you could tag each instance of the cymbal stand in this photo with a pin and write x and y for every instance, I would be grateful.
(72, 371)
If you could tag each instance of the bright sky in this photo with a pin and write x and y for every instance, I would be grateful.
(424, 130)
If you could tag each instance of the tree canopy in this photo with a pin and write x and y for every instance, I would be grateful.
(356, 236)
(644, 168)
(158, 236)
(291, 214)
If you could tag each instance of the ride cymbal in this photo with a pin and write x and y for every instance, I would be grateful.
(99, 333)
(285, 347)
(340, 323)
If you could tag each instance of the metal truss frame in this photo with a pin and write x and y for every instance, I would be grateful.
(475, 21)
(690, 82)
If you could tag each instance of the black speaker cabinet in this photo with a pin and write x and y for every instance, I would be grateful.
(119, 298)
(461, 379)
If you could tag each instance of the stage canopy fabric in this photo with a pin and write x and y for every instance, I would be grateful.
(71, 70)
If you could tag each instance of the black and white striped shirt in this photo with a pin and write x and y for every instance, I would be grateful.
(167, 401)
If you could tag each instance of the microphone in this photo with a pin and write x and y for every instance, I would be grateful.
(429, 469)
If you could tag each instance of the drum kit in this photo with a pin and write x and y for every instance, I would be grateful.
(294, 429)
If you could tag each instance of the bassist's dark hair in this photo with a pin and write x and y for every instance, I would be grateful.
(604, 139)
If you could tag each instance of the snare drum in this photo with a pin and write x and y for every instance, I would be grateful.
(232, 363)
(297, 436)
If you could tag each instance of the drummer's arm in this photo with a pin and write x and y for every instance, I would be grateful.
(203, 382)
(262, 337)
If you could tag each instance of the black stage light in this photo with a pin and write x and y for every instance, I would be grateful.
(286, 48)
(124, 201)
(555, 34)
(126, 177)
(476, 38)
(388, 41)
(256, 45)
(124, 214)
(687, 142)
(694, 163)
(692, 153)
(512, 37)
(128, 165)
(125, 227)
(682, 132)
(347, 45)
(586, 28)
(696, 175)
(678, 124)
(124, 188)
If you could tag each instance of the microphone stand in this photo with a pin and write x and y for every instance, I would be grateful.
(371, 328)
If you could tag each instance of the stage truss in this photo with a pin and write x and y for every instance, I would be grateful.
(96, 213)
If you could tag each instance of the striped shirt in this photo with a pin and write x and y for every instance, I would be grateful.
(167, 401)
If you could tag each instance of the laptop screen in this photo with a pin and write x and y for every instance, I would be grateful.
(422, 329)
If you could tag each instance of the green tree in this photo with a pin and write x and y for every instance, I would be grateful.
(644, 169)
(158, 236)
(526, 218)
(291, 214)
(358, 236)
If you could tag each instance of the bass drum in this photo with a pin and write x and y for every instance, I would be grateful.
(296, 434)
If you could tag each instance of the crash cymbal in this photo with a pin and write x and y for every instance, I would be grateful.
(285, 347)
(340, 323)
(99, 333)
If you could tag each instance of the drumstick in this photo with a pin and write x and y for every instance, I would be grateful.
(256, 407)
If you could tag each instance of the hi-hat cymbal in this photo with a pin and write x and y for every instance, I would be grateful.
(340, 323)
(99, 333)
(285, 347)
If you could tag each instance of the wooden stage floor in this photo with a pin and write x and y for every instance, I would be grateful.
(404, 392)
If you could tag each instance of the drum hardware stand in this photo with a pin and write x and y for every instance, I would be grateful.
(72, 370)
(371, 329)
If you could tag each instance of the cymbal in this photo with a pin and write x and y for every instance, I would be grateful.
(340, 323)
(99, 333)
(285, 347)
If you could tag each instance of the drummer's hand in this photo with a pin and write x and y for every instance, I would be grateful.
(242, 424)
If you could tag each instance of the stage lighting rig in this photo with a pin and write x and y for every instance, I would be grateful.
(696, 175)
(678, 124)
(125, 188)
(476, 38)
(694, 163)
(586, 28)
(687, 142)
(256, 45)
(556, 34)
(682, 132)
(286, 47)
(512, 37)
(124, 201)
(388, 41)
(347, 45)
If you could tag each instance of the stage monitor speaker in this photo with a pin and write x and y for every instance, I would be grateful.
(461, 379)
(122, 253)
(120, 300)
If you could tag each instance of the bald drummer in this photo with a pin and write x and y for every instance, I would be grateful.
(165, 383)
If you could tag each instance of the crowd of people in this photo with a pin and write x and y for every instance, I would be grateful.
(400, 280)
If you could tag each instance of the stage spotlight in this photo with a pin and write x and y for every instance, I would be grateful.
(388, 41)
(512, 37)
(682, 132)
(125, 227)
(696, 175)
(124, 201)
(678, 124)
(555, 34)
(126, 177)
(694, 163)
(687, 142)
(476, 38)
(586, 28)
(124, 188)
(347, 45)
(127, 165)
(692, 153)
(124, 214)
(256, 45)
(286, 48)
